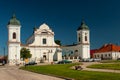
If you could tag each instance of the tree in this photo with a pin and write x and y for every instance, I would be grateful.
(25, 53)
(58, 42)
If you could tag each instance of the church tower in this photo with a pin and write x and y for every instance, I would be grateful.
(13, 40)
(83, 40)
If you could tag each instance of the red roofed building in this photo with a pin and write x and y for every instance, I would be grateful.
(108, 51)
(92, 53)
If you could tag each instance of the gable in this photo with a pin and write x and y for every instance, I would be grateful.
(44, 29)
(44, 32)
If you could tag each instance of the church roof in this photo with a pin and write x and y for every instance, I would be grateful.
(74, 44)
(14, 21)
(83, 26)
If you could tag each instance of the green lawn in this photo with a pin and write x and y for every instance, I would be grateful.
(114, 66)
(63, 70)
(110, 61)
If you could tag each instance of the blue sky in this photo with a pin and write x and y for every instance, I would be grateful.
(64, 17)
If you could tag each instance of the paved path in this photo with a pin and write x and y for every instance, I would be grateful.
(85, 64)
(13, 73)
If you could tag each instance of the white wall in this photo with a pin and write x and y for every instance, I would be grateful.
(38, 49)
(39, 36)
(82, 34)
(13, 53)
(38, 52)
(108, 55)
(115, 55)
(85, 50)
(11, 30)
(13, 44)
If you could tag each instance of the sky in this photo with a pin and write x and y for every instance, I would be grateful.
(63, 17)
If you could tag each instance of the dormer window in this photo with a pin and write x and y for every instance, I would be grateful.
(44, 32)
(14, 35)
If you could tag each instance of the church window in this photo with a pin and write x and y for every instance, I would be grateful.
(76, 50)
(14, 35)
(71, 52)
(85, 38)
(79, 39)
(44, 41)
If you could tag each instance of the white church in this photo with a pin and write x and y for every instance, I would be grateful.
(42, 45)
(81, 49)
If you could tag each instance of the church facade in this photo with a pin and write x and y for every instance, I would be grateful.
(41, 44)
(80, 50)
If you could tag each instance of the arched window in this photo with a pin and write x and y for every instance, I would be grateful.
(14, 35)
(79, 39)
(76, 50)
(85, 38)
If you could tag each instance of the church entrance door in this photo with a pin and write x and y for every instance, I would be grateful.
(44, 57)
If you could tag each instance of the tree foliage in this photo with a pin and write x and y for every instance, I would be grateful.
(58, 42)
(25, 53)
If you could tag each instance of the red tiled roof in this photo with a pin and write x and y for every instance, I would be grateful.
(108, 48)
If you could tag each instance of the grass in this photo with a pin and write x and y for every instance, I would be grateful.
(63, 70)
(110, 61)
(113, 66)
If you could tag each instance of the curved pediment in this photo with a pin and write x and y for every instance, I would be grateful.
(44, 26)
(44, 29)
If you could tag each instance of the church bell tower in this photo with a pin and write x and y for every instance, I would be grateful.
(13, 40)
(83, 40)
